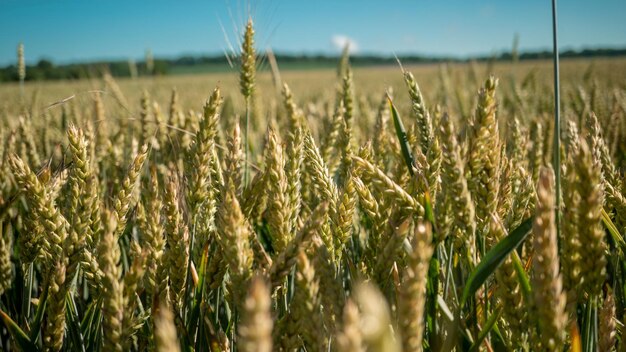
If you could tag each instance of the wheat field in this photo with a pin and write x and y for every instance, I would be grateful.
(359, 209)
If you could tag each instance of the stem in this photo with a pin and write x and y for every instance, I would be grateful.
(556, 150)
(448, 270)
(594, 324)
(588, 326)
(246, 174)
(22, 90)
(433, 277)
(189, 280)
(483, 250)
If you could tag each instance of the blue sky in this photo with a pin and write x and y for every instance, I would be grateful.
(71, 30)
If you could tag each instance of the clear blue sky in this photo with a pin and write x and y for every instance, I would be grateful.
(72, 30)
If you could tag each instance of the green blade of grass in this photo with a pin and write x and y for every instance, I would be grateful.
(73, 324)
(617, 237)
(494, 258)
(87, 319)
(194, 315)
(489, 325)
(28, 291)
(446, 312)
(497, 338)
(429, 214)
(91, 325)
(402, 137)
(589, 326)
(21, 339)
(522, 276)
(35, 327)
(201, 274)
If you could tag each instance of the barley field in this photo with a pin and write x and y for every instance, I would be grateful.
(368, 209)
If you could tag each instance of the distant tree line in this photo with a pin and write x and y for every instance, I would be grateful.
(586, 53)
(47, 70)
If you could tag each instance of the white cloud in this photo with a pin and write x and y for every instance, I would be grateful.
(339, 41)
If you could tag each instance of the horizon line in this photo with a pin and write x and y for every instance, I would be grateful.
(324, 54)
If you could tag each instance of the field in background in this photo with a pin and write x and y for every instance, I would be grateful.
(452, 87)
(371, 82)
